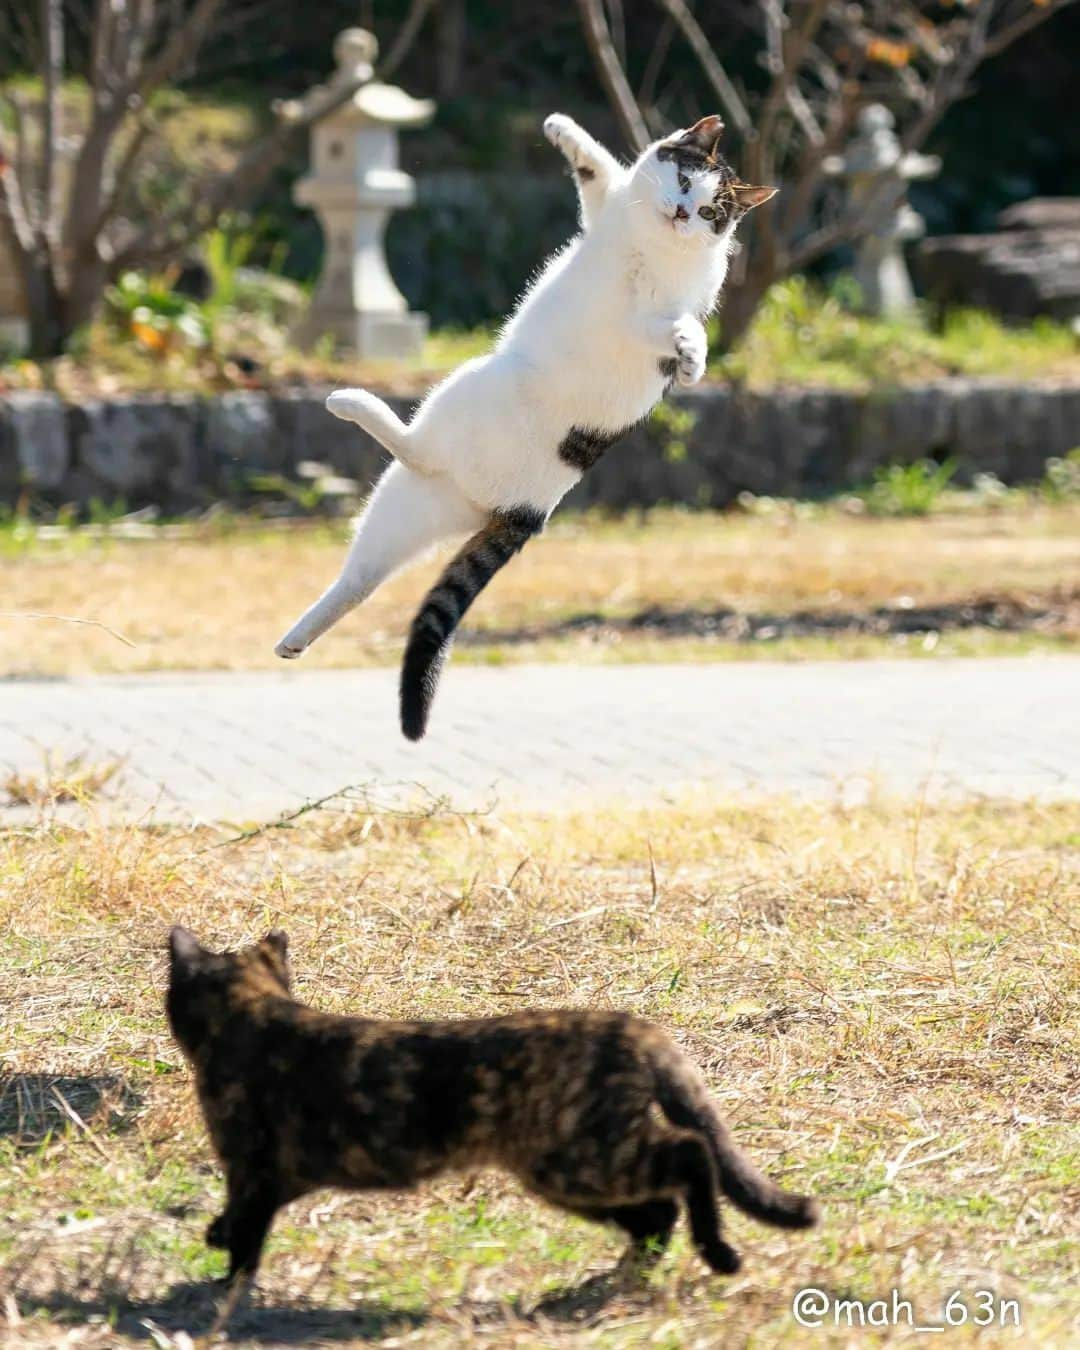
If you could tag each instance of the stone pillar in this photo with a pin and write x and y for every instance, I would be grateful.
(877, 173)
(353, 186)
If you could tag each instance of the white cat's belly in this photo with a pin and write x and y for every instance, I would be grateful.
(495, 427)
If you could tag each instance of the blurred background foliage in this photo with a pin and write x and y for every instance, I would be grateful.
(496, 68)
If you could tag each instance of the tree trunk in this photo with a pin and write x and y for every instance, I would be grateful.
(49, 331)
(739, 303)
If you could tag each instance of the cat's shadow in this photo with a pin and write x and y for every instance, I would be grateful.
(195, 1309)
(36, 1106)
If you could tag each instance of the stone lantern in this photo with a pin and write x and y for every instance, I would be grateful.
(353, 186)
(877, 173)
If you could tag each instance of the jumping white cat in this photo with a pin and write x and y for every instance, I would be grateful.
(610, 323)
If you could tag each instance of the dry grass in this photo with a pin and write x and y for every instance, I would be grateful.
(71, 779)
(219, 598)
(885, 998)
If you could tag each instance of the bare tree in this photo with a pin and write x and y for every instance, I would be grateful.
(821, 61)
(68, 245)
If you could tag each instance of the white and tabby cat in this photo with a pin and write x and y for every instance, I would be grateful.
(609, 324)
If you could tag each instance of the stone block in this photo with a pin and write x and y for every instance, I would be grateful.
(141, 449)
(36, 453)
(243, 436)
(317, 434)
(899, 426)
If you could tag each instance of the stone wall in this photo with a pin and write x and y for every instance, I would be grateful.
(183, 452)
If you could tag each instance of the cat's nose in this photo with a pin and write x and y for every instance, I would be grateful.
(681, 213)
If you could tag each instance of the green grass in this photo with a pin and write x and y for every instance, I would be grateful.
(804, 335)
(885, 999)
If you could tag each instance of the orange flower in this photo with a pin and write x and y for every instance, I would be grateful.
(149, 336)
(889, 53)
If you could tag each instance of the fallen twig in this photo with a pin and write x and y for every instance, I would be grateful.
(66, 618)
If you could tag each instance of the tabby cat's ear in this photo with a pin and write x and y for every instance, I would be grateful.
(704, 135)
(279, 940)
(184, 947)
(748, 197)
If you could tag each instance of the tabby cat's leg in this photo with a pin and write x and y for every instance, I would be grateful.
(596, 170)
(405, 516)
(649, 1225)
(242, 1228)
(684, 1162)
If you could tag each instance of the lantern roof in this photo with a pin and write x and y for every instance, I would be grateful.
(355, 50)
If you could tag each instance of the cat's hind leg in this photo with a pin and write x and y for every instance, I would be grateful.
(684, 1163)
(404, 517)
(379, 420)
(649, 1226)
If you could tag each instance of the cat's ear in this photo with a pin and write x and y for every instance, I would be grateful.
(747, 197)
(184, 948)
(279, 940)
(704, 135)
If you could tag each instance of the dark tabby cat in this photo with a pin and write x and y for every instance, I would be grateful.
(596, 1112)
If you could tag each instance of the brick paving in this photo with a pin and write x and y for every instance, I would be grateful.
(243, 747)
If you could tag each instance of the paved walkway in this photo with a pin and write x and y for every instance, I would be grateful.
(245, 747)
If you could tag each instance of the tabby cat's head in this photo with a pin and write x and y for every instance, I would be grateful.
(205, 987)
(693, 192)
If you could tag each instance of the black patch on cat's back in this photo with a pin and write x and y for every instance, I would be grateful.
(581, 447)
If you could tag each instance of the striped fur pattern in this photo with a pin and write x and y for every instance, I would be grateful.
(611, 322)
(432, 631)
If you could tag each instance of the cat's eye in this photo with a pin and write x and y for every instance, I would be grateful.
(707, 212)
(684, 182)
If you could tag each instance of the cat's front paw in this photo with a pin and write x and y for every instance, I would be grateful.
(691, 350)
(560, 130)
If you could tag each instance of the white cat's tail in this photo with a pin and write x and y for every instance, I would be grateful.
(377, 418)
(465, 576)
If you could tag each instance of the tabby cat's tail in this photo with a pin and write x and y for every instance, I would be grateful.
(685, 1101)
(465, 577)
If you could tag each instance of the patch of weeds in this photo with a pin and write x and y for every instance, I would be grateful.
(1061, 482)
(72, 779)
(907, 489)
(672, 426)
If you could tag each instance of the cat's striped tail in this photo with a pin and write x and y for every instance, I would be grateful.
(685, 1100)
(432, 630)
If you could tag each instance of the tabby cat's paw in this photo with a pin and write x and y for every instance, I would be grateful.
(691, 349)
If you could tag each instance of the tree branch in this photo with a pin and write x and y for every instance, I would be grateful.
(52, 39)
(725, 91)
(14, 222)
(121, 176)
(404, 38)
(612, 75)
(213, 196)
(180, 46)
(1037, 14)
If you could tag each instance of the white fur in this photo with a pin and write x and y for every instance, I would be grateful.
(581, 350)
